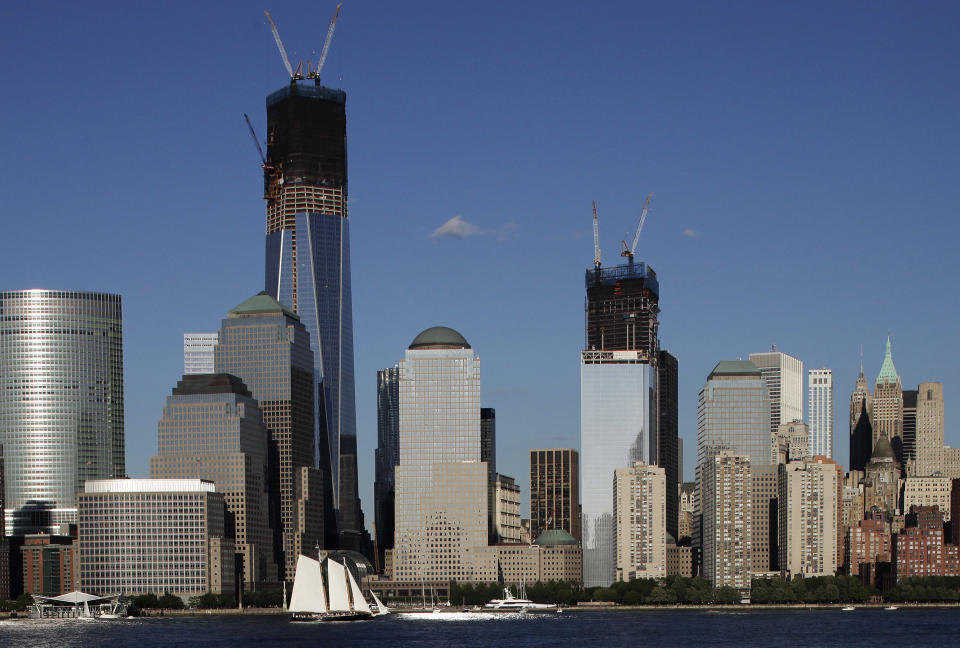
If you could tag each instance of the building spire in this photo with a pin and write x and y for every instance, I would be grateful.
(888, 373)
(861, 360)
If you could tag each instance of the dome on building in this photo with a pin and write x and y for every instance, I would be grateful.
(355, 561)
(883, 450)
(555, 537)
(439, 337)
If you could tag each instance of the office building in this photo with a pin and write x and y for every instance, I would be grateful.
(861, 429)
(49, 564)
(791, 442)
(198, 353)
(386, 457)
(668, 440)
(809, 525)
(783, 375)
(144, 536)
(868, 543)
(918, 550)
(506, 510)
(764, 518)
(733, 413)
(622, 308)
(554, 556)
(61, 402)
(265, 345)
(928, 491)
(488, 455)
(820, 411)
(686, 505)
(308, 260)
(929, 448)
(910, 430)
(887, 417)
(640, 516)
(881, 482)
(727, 509)
(441, 482)
(555, 491)
(213, 429)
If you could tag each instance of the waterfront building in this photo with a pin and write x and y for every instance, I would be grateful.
(809, 510)
(764, 543)
(61, 402)
(555, 491)
(265, 345)
(213, 429)
(441, 527)
(861, 429)
(49, 564)
(783, 375)
(554, 556)
(918, 548)
(308, 265)
(791, 442)
(868, 543)
(668, 441)
(727, 509)
(820, 411)
(198, 353)
(144, 536)
(640, 518)
(928, 491)
(387, 457)
(887, 416)
(507, 510)
(929, 448)
(679, 559)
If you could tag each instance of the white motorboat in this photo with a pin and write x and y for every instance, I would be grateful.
(510, 603)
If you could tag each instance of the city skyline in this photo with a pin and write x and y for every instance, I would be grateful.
(821, 194)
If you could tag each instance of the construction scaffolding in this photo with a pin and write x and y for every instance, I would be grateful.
(622, 308)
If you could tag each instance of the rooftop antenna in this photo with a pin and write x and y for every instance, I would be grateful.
(283, 51)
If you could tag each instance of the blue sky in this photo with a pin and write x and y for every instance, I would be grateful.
(803, 160)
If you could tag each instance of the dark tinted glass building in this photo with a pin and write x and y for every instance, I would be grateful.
(387, 456)
(622, 306)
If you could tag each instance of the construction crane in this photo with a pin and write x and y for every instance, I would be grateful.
(596, 238)
(629, 251)
(326, 43)
(283, 51)
(253, 134)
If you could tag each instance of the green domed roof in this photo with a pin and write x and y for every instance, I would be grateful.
(261, 304)
(555, 537)
(439, 337)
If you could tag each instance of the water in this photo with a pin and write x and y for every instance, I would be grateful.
(579, 629)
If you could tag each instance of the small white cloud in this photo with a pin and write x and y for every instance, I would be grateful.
(456, 227)
(691, 233)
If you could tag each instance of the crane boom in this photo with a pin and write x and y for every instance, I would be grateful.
(255, 140)
(326, 43)
(629, 251)
(283, 51)
(596, 237)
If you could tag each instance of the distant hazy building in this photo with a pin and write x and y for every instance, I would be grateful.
(928, 491)
(212, 429)
(809, 504)
(61, 402)
(264, 344)
(791, 442)
(783, 375)
(49, 564)
(441, 497)
(507, 510)
(387, 456)
(887, 417)
(687, 508)
(861, 428)
(198, 353)
(929, 449)
(640, 516)
(555, 490)
(142, 536)
(820, 411)
(668, 441)
(727, 508)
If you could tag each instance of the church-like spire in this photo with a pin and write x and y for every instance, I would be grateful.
(888, 373)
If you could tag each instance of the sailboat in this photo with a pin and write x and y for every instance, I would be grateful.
(381, 608)
(308, 601)
(346, 599)
(341, 600)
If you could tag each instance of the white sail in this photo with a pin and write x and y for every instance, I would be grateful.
(308, 587)
(381, 608)
(337, 584)
(359, 603)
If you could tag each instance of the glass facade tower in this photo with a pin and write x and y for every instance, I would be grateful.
(733, 414)
(308, 262)
(387, 455)
(61, 402)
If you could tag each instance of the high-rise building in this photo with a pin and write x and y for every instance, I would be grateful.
(61, 402)
(928, 491)
(727, 506)
(929, 449)
(881, 480)
(198, 353)
(622, 308)
(820, 411)
(308, 260)
(441, 483)
(143, 536)
(506, 510)
(910, 429)
(555, 491)
(734, 413)
(809, 525)
(764, 540)
(387, 456)
(868, 542)
(49, 564)
(887, 416)
(488, 455)
(668, 440)
(639, 512)
(213, 429)
(783, 375)
(791, 442)
(265, 345)
(861, 429)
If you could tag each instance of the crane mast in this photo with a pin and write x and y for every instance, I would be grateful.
(596, 237)
(629, 251)
(283, 50)
(326, 43)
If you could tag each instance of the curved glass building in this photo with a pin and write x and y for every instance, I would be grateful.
(61, 402)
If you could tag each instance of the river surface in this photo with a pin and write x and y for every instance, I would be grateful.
(913, 628)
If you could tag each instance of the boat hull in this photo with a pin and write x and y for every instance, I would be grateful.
(348, 616)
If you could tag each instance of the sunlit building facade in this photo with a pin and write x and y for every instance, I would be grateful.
(820, 411)
(198, 353)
